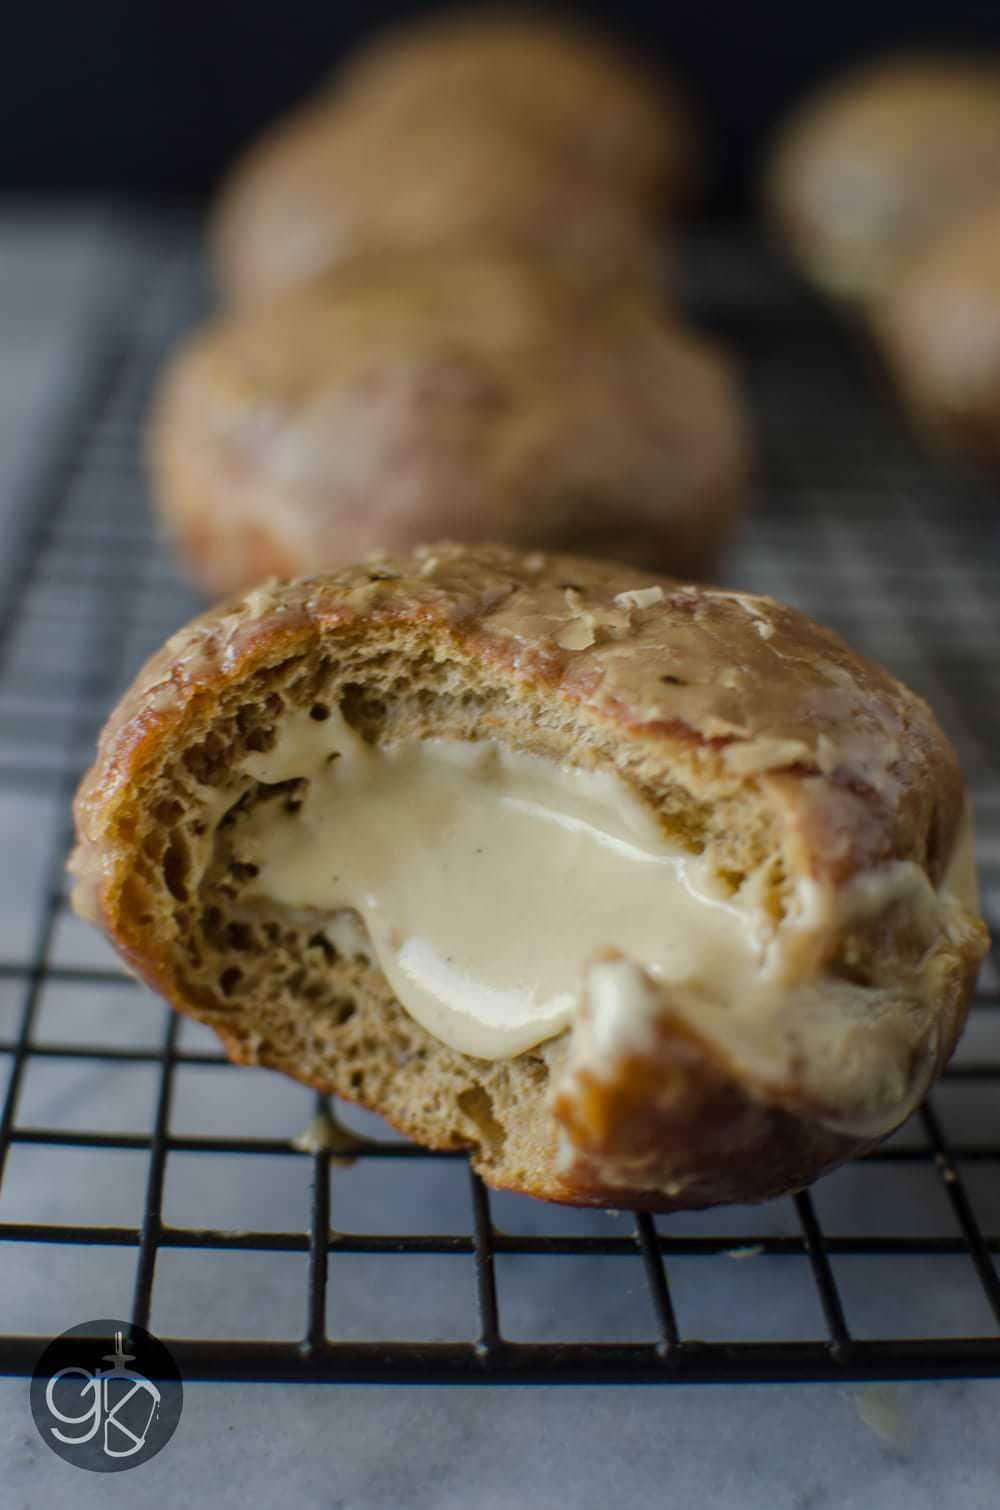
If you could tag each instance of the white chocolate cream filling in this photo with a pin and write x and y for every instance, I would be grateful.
(488, 880)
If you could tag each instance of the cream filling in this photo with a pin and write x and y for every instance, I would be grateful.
(487, 880)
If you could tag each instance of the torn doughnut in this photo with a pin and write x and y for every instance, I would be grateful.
(650, 895)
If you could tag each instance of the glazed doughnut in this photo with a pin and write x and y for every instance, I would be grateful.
(939, 331)
(329, 186)
(497, 128)
(411, 396)
(651, 895)
(871, 168)
(561, 81)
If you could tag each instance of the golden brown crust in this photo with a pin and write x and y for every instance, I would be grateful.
(408, 396)
(491, 129)
(939, 332)
(722, 709)
(879, 162)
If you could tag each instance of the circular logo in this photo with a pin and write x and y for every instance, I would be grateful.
(106, 1395)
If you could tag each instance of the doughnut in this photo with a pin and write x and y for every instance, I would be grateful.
(649, 895)
(873, 167)
(939, 332)
(593, 99)
(414, 396)
(494, 128)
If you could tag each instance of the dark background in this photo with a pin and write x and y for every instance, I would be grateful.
(156, 95)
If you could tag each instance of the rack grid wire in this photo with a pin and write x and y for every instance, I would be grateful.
(852, 524)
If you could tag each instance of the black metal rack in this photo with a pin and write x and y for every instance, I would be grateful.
(852, 524)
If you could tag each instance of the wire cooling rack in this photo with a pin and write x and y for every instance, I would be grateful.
(886, 1270)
